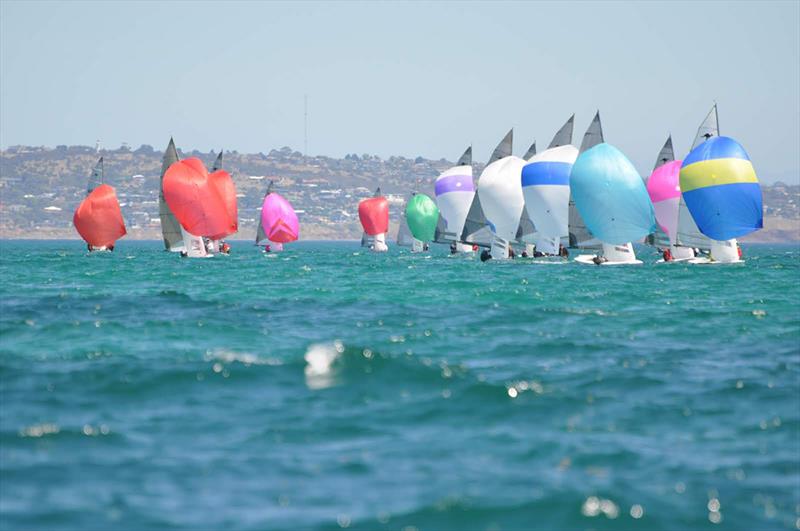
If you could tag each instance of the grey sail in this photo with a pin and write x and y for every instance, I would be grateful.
(709, 128)
(217, 162)
(667, 154)
(96, 178)
(441, 235)
(689, 234)
(466, 158)
(261, 235)
(593, 135)
(531, 151)
(170, 228)
(564, 135)
(503, 149)
(366, 239)
(476, 230)
(525, 227)
(404, 237)
(579, 235)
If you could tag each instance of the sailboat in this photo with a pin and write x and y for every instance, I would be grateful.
(261, 235)
(366, 239)
(204, 204)
(526, 231)
(374, 216)
(722, 194)
(611, 198)
(175, 238)
(404, 236)
(422, 216)
(455, 193)
(664, 190)
(278, 220)
(500, 192)
(545, 186)
(98, 219)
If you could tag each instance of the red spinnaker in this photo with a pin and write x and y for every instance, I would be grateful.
(205, 205)
(374, 215)
(98, 218)
(223, 182)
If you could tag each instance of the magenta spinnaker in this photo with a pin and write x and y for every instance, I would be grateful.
(279, 219)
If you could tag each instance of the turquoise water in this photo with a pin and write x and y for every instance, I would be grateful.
(327, 388)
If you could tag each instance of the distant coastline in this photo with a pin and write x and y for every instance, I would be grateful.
(40, 188)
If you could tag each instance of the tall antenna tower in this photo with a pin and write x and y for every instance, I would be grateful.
(305, 125)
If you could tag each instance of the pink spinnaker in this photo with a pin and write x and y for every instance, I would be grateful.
(664, 189)
(279, 219)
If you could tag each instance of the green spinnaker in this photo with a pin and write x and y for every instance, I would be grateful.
(422, 215)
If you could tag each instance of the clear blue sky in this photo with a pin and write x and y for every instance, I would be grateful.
(401, 78)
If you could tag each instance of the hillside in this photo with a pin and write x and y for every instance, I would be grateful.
(40, 188)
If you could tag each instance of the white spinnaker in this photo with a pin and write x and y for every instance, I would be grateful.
(548, 204)
(454, 205)
(500, 192)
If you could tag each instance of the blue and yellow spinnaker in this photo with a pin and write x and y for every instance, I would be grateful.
(721, 190)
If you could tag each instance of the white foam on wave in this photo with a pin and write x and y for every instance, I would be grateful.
(320, 363)
(245, 358)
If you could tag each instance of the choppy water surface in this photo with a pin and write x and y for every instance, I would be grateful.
(329, 388)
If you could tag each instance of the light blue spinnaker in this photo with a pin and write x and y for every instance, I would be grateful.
(611, 196)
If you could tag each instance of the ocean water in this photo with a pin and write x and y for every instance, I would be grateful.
(330, 388)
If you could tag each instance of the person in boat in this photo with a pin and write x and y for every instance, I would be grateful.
(511, 253)
(562, 251)
(184, 254)
(453, 248)
(474, 248)
(524, 254)
(739, 250)
(599, 259)
(267, 249)
(667, 255)
(425, 247)
(225, 248)
(486, 255)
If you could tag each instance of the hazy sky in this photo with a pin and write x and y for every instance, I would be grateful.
(401, 78)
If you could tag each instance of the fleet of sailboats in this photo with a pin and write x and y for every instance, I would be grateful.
(692, 209)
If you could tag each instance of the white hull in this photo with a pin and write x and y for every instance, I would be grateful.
(499, 248)
(588, 259)
(708, 261)
(194, 246)
(379, 245)
(613, 254)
